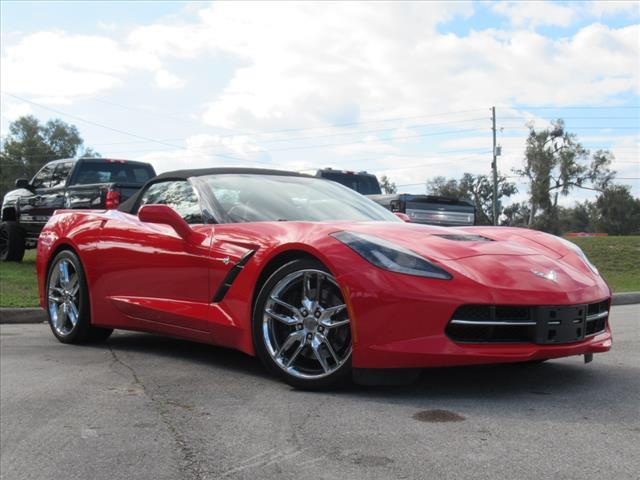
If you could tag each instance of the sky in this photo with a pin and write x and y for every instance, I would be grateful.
(402, 89)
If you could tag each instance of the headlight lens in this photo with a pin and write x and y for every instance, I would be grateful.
(578, 251)
(390, 257)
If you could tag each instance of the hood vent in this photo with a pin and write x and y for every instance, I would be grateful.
(463, 237)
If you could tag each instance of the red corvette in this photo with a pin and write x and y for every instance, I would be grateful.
(316, 280)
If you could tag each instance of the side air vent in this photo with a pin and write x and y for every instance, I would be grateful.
(231, 276)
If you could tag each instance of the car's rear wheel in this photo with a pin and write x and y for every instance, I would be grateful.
(301, 325)
(68, 301)
(11, 242)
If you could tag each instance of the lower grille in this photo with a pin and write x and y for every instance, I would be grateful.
(527, 324)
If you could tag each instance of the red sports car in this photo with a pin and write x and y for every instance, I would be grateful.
(316, 280)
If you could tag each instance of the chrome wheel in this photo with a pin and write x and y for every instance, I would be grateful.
(306, 327)
(63, 296)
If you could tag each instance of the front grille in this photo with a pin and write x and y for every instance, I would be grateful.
(527, 324)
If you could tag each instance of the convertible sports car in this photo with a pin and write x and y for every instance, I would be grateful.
(316, 280)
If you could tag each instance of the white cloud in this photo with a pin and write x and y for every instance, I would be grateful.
(613, 7)
(306, 64)
(10, 110)
(310, 63)
(294, 65)
(107, 26)
(59, 64)
(165, 79)
(205, 150)
(535, 13)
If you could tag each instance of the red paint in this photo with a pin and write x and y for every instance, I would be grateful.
(403, 216)
(112, 200)
(161, 276)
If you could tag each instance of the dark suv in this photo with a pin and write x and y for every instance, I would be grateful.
(97, 183)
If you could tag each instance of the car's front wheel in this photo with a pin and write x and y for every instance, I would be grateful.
(301, 325)
(68, 301)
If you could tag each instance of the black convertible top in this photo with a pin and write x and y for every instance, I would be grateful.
(200, 172)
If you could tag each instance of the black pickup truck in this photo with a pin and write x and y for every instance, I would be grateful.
(96, 183)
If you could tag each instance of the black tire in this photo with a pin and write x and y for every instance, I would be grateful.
(12, 243)
(82, 331)
(338, 377)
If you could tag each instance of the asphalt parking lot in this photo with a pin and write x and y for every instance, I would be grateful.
(147, 407)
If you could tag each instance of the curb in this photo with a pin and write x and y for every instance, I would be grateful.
(38, 315)
(626, 298)
(22, 315)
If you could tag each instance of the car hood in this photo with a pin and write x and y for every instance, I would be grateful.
(452, 243)
(517, 260)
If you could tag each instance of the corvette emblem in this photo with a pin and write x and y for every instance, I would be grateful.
(551, 275)
(224, 260)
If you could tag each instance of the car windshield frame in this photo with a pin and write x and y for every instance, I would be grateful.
(326, 201)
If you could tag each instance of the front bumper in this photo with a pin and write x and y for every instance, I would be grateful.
(403, 322)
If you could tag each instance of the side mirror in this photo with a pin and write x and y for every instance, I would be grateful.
(23, 183)
(403, 216)
(166, 215)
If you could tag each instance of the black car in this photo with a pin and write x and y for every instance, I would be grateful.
(362, 182)
(429, 209)
(69, 183)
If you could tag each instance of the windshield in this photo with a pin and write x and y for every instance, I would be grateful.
(264, 198)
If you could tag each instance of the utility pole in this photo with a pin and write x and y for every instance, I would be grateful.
(494, 168)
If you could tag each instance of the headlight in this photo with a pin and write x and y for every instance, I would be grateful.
(578, 251)
(390, 257)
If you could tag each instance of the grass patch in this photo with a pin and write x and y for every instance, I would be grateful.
(18, 282)
(617, 259)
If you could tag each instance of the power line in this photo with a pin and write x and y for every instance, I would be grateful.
(519, 128)
(122, 132)
(432, 154)
(576, 107)
(349, 124)
(523, 117)
(358, 132)
(302, 147)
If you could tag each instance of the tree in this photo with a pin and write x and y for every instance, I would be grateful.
(516, 215)
(31, 144)
(618, 211)
(387, 185)
(476, 188)
(446, 187)
(555, 163)
(90, 153)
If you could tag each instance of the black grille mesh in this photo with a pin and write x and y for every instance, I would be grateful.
(525, 333)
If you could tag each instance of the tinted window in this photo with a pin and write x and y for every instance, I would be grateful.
(364, 184)
(60, 174)
(112, 172)
(179, 195)
(255, 198)
(43, 177)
